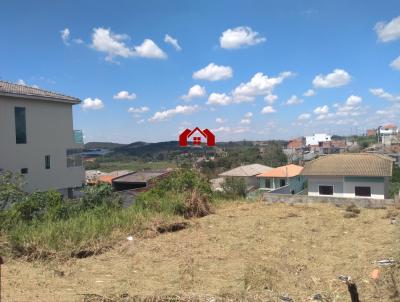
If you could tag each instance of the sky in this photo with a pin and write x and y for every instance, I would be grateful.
(255, 70)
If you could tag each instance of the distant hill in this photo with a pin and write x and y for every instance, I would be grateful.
(102, 145)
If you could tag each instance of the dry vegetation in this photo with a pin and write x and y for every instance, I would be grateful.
(251, 252)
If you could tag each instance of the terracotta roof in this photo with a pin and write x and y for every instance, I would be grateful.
(247, 170)
(284, 171)
(108, 177)
(17, 90)
(390, 126)
(350, 164)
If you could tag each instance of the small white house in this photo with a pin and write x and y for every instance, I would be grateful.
(350, 175)
(317, 139)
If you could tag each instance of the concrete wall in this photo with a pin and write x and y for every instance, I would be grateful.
(345, 186)
(49, 130)
(361, 202)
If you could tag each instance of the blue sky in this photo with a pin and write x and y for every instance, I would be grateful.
(132, 64)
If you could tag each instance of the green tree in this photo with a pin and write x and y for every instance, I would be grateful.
(10, 189)
(234, 187)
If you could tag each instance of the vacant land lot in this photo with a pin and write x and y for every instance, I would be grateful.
(243, 251)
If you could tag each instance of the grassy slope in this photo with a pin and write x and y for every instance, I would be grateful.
(243, 249)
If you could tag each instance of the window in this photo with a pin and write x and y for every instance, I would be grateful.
(47, 162)
(74, 158)
(325, 190)
(363, 191)
(282, 182)
(267, 183)
(20, 125)
(24, 171)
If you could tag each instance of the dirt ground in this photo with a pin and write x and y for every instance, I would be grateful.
(295, 251)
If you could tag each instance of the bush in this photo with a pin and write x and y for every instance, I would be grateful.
(10, 189)
(234, 187)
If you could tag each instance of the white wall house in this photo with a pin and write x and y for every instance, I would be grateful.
(350, 175)
(248, 173)
(38, 140)
(317, 138)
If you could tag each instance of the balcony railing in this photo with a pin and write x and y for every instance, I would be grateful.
(78, 137)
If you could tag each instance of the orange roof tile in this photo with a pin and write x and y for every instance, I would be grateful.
(106, 178)
(284, 171)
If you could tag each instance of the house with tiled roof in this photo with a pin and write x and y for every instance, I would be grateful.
(287, 179)
(38, 140)
(351, 175)
(248, 173)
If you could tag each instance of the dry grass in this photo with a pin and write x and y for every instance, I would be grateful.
(244, 252)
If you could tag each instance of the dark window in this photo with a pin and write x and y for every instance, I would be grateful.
(47, 162)
(20, 125)
(24, 171)
(282, 182)
(268, 183)
(325, 190)
(363, 191)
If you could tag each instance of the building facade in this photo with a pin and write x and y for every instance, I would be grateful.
(317, 139)
(350, 175)
(287, 177)
(38, 140)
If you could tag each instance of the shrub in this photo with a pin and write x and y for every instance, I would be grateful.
(10, 189)
(234, 187)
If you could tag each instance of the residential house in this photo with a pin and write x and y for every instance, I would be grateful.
(371, 132)
(296, 144)
(38, 140)
(286, 178)
(349, 175)
(387, 134)
(317, 139)
(248, 173)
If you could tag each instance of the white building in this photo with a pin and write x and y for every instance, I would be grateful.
(38, 140)
(350, 175)
(248, 173)
(317, 139)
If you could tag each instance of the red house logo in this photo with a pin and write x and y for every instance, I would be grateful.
(187, 134)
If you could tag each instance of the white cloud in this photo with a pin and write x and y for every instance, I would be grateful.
(174, 42)
(236, 130)
(220, 120)
(380, 93)
(248, 115)
(270, 98)
(167, 114)
(396, 63)
(21, 82)
(149, 49)
(353, 100)
(219, 99)
(240, 37)
(213, 72)
(65, 33)
(92, 104)
(195, 91)
(138, 110)
(259, 84)
(304, 116)
(268, 109)
(338, 77)
(124, 95)
(321, 110)
(114, 45)
(388, 31)
(351, 107)
(309, 92)
(78, 41)
(140, 121)
(294, 100)
(245, 121)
